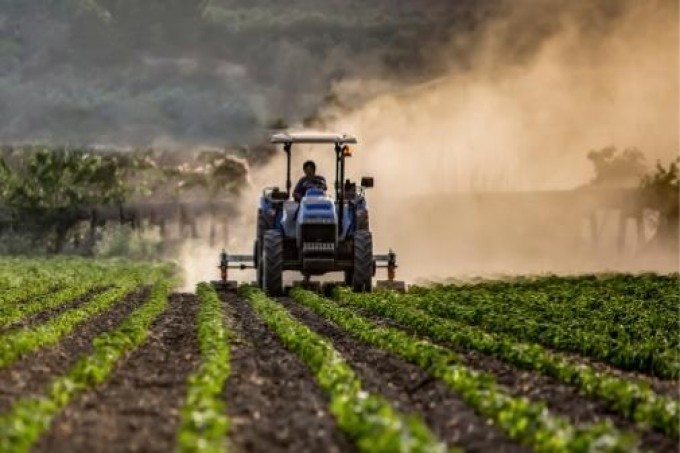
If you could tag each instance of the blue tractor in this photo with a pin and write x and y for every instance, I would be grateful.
(317, 234)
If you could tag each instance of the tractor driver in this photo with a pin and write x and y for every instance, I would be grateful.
(308, 181)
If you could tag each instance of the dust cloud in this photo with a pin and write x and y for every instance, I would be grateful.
(528, 126)
(470, 166)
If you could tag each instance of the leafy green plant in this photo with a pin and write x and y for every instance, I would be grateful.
(53, 282)
(14, 344)
(13, 313)
(28, 418)
(627, 321)
(528, 422)
(21, 277)
(204, 423)
(368, 419)
(631, 398)
(27, 278)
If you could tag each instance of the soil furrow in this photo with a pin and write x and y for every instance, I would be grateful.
(30, 375)
(410, 389)
(273, 401)
(42, 316)
(137, 408)
(559, 398)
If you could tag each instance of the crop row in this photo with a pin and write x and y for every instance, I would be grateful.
(30, 417)
(21, 279)
(368, 419)
(15, 344)
(632, 399)
(10, 314)
(657, 292)
(16, 272)
(24, 278)
(90, 280)
(624, 331)
(204, 424)
(617, 300)
(527, 422)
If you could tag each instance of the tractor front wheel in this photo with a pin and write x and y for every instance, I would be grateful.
(272, 263)
(362, 274)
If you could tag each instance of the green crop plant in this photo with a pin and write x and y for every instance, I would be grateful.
(631, 398)
(367, 418)
(28, 418)
(627, 321)
(14, 344)
(525, 421)
(92, 278)
(204, 423)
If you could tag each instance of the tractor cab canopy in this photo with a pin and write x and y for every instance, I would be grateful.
(286, 138)
(340, 143)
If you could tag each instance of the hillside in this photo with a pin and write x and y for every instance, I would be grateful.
(135, 73)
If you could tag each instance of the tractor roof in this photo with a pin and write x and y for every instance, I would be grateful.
(312, 138)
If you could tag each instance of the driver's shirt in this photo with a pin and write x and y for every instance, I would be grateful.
(306, 183)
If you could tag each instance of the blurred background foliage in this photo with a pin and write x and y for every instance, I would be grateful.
(49, 195)
(201, 72)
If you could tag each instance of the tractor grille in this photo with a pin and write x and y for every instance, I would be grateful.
(318, 241)
(318, 246)
(318, 233)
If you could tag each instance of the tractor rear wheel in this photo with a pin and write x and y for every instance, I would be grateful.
(362, 273)
(272, 263)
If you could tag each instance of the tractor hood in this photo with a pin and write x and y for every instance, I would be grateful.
(317, 209)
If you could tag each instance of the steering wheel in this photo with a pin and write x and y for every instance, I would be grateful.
(318, 182)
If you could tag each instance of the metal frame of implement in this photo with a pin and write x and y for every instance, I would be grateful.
(242, 262)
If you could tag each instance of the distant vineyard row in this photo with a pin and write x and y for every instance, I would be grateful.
(48, 191)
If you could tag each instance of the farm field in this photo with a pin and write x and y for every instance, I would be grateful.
(104, 355)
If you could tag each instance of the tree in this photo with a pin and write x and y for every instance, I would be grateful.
(614, 169)
(660, 190)
(49, 191)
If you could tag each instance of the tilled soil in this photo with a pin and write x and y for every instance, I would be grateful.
(559, 398)
(38, 318)
(273, 401)
(137, 409)
(410, 389)
(271, 397)
(30, 375)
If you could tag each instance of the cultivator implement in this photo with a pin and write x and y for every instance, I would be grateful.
(240, 262)
(386, 261)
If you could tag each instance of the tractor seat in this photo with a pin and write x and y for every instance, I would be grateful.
(290, 209)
